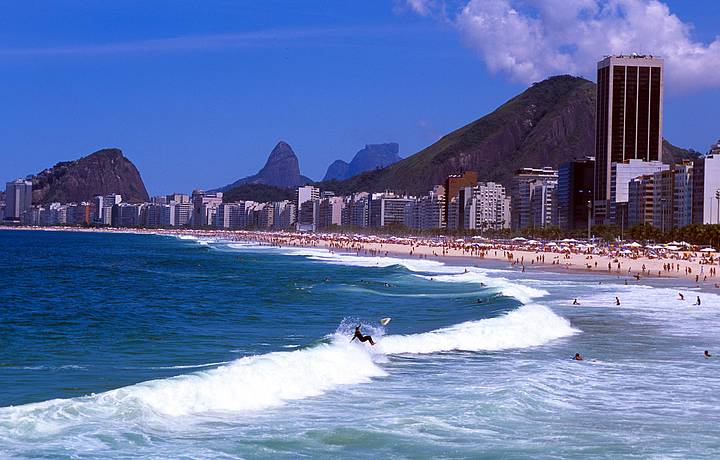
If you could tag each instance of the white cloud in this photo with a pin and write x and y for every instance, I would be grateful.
(533, 39)
(421, 7)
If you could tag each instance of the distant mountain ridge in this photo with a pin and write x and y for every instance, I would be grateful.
(551, 122)
(100, 173)
(282, 170)
(372, 157)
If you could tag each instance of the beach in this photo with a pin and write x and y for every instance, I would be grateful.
(694, 267)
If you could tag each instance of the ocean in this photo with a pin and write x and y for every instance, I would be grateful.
(149, 346)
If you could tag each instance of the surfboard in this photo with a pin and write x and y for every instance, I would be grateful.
(385, 321)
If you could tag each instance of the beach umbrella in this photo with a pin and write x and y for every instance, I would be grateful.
(635, 244)
(519, 238)
(708, 250)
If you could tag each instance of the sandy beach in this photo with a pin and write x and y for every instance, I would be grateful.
(630, 261)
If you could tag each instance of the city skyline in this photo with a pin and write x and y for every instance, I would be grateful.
(196, 101)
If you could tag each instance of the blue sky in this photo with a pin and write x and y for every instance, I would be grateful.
(197, 93)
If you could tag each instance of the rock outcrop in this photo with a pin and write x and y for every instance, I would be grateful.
(103, 172)
(281, 170)
(372, 157)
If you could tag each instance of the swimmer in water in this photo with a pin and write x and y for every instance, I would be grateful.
(577, 357)
(707, 354)
(575, 302)
(617, 301)
(681, 296)
(363, 338)
(697, 302)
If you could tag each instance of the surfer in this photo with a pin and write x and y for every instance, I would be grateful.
(363, 338)
(575, 302)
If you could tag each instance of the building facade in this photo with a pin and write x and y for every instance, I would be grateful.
(534, 197)
(18, 199)
(706, 190)
(387, 210)
(453, 185)
(621, 175)
(576, 180)
(629, 118)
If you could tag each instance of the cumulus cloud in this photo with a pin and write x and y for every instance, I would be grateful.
(533, 39)
(422, 7)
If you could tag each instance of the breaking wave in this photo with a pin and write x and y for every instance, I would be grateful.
(264, 381)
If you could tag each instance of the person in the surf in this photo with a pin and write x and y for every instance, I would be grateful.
(363, 338)
(707, 354)
(578, 357)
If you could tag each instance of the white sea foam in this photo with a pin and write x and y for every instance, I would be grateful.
(422, 267)
(528, 326)
(478, 276)
(258, 382)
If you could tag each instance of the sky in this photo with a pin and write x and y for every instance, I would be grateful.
(197, 92)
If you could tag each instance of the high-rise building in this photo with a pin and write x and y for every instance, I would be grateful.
(629, 118)
(388, 209)
(640, 207)
(231, 215)
(306, 193)
(621, 174)
(453, 185)
(308, 215)
(357, 210)
(533, 197)
(156, 215)
(663, 199)
(330, 212)
(285, 215)
(706, 190)
(576, 180)
(486, 206)
(126, 214)
(427, 212)
(205, 207)
(683, 190)
(183, 214)
(18, 199)
(104, 205)
(178, 198)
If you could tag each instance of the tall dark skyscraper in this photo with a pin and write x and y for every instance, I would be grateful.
(629, 118)
(575, 189)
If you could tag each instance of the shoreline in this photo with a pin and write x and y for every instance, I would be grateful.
(694, 272)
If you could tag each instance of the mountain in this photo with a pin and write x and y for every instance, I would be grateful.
(551, 122)
(338, 170)
(103, 172)
(372, 157)
(281, 170)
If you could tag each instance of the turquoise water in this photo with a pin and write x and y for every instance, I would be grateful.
(136, 346)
